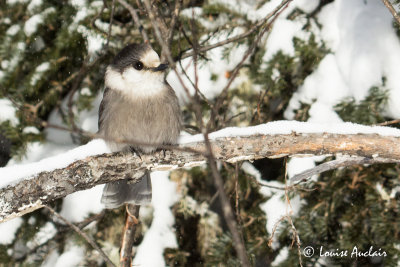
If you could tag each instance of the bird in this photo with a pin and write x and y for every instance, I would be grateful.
(138, 106)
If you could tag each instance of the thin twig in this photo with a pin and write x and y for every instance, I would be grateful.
(335, 164)
(392, 10)
(237, 240)
(240, 36)
(277, 11)
(158, 34)
(386, 123)
(128, 235)
(174, 19)
(165, 48)
(289, 214)
(111, 22)
(83, 234)
(136, 19)
(237, 192)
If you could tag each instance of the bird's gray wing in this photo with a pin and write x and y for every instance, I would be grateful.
(102, 107)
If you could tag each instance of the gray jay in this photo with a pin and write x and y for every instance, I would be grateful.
(139, 106)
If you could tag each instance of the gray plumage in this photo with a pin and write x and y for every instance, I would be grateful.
(140, 107)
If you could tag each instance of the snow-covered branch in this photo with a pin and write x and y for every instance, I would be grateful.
(273, 140)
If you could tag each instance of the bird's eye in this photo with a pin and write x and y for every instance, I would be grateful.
(138, 65)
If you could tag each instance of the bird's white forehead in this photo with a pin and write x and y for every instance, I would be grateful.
(151, 59)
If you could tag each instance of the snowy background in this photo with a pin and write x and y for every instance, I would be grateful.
(364, 49)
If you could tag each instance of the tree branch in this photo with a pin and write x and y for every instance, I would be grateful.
(31, 194)
(128, 235)
(392, 10)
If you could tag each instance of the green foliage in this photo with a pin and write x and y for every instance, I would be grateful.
(358, 216)
(201, 235)
(283, 74)
(367, 111)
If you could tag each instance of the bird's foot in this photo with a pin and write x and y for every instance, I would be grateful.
(135, 151)
(161, 151)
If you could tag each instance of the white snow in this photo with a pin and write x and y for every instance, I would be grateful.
(217, 65)
(8, 230)
(13, 30)
(45, 233)
(85, 91)
(289, 127)
(161, 234)
(94, 41)
(31, 130)
(7, 112)
(70, 258)
(13, 2)
(34, 4)
(42, 68)
(51, 259)
(283, 254)
(77, 206)
(276, 206)
(281, 36)
(358, 60)
(33, 22)
(78, 3)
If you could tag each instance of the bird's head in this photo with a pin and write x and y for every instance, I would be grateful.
(137, 71)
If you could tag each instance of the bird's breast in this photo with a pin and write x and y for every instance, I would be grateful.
(142, 120)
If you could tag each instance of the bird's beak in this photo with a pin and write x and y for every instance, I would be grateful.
(161, 67)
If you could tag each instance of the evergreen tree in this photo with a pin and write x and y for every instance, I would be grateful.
(53, 55)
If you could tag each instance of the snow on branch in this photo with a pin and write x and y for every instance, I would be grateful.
(277, 139)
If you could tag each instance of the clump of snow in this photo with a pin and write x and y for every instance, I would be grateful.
(10, 65)
(8, 230)
(33, 22)
(7, 112)
(45, 233)
(31, 130)
(70, 258)
(42, 68)
(13, 2)
(85, 91)
(283, 254)
(83, 12)
(51, 259)
(78, 3)
(197, 12)
(13, 30)
(161, 233)
(281, 37)
(79, 205)
(5, 64)
(34, 4)
(94, 41)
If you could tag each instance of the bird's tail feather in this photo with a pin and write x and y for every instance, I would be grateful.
(119, 192)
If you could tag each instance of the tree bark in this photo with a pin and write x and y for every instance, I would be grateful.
(31, 194)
